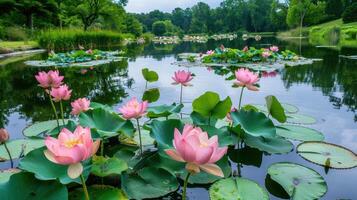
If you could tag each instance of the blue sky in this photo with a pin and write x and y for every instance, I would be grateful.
(138, 6)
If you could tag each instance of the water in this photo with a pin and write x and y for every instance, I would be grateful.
(326, 90)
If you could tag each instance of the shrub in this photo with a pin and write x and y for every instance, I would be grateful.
(72, 38)
(350, 14)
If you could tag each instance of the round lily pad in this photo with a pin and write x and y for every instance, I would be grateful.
(288, 108)
(39, 128)
(99, 192)
(269, 144)
(7, 173)
(238, 188)
(328, 155)
(301, 183)
(20, 147)
(299, 133)
(300, 119)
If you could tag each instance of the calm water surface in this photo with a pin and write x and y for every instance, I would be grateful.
(326, 90)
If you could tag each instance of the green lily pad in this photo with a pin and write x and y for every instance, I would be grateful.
(301, 183)
(20, 147)
(328, 155)
(299, 133)
(275, 109)
(105, 123)
(99, 192)
(149, 76)
(7, 173)
(209, 104)
(146, 139)
(149, 182)
(300, 119)
(289, 109)
(272, 145)
(26, 186)
(103, 166)
(41, 128)
(151, 95)
(198, 119)
(224, 137)
(254, 123)
(163, 110)
(238, 188)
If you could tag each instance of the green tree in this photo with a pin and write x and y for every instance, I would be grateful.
(159, 28)
(297, 12)
(334, 8)
(278, 15)
(350, 14)
(133, 25)
(201, 18)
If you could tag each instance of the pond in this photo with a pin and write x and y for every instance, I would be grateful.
(326, 90)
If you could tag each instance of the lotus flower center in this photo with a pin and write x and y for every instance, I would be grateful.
(72, 142)
(204, 144)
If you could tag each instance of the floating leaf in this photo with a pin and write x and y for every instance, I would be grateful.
(20, 147)
(289, 109)
(237, 188)
(299, 133)
(300, 119)
(149, 76)
(322, 153)
(7, 173)
(103, 166)
(254, 123)
(163, 110)
(270, 145)
(300, 182)
(26, 186)
(209, 104)
(275, 188)
(151, 95)
(148, 182)
(99, 192)
(41, 128)
(275, 108)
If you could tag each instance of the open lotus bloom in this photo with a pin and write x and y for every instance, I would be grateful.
(247, 79)
(134, 109)
(182, 77)
(210, 52)
(266, 54)
(274, 48)
(61, 93)
(197, 150)
(49, 79)
(80, 105)
(71, 148)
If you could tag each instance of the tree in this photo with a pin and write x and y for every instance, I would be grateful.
(350, 14)
(278, 15)
(159, 28)
(133, 25)
(201, 18)
(334, 8)
(181, 18)
(297, 12)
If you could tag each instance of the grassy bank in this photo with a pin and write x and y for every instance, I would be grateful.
(11, 46)
(67, 39)
(333, 33)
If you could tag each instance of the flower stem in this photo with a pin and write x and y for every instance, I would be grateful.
(8, 152)
(185, 186)
(181, 98)
(240, 98)
(62, 115)
(54, 110)
(85, 190)
(141, 147)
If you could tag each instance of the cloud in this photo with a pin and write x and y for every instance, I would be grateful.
(145, 6)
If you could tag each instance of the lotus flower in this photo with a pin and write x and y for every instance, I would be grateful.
(247, 79)
(197, 150)
(274, 48)
(182, 77)
(80, 105)
(4, 135)
(133, 109)
(49, 79)
(61, 93)
(245, 49)
(266, 54)
(89, 51)
(71, 148)
(210, 52)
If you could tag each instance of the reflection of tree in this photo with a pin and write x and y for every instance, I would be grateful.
(20, 93)
(330, 76)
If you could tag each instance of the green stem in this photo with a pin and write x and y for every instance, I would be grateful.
(141, 147)
(8, 152)
(185, 186)
(62, 115)
(240, 98)
(54, 110)
(181, 94)
(85, 190)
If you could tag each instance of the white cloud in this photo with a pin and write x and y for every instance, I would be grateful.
(138, 6)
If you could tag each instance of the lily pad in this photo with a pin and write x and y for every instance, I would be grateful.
(300, 119)
(20, 147)
(328, 155)
(299, 133)
(151, 95)
(238, 188)
(269, 144)
(289, 109)
(7, 173)
(149, 182)
(275, 109)
(149, 76)
(103, 166)
(209, 104)
(41, 128)
(301, 183)
(163, 110)
(99, 192)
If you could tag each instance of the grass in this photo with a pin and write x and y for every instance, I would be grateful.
(9, 46)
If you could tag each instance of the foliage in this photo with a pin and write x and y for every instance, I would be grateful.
(350, 14)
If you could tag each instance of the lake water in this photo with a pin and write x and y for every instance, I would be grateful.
(326, 90)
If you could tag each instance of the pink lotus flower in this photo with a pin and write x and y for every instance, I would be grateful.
(61, 93)
(266, 54)
(274, 48)
(71, 148)
(133, 109)
(89, 51)
(4, 135)
(210, 52)
(197, 150)
(229, 117)
(80, 105)
(247, 79)
(182, 77)
(49, 79)
(245, 49)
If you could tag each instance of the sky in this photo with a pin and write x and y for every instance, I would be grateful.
(145, 6)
